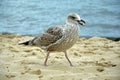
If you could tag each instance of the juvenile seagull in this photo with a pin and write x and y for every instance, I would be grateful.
(59, 38)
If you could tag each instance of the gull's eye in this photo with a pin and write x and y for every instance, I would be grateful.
(72, 17)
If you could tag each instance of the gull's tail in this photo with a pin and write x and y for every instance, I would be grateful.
(29, 42)
(25, 43)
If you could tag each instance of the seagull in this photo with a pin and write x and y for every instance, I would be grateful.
(59, 38)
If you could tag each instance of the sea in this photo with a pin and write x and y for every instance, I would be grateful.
(33, 17)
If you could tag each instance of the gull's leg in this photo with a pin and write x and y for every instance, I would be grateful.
(68, 58)
(45, 63)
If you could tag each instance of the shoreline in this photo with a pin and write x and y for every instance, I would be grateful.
(110, 38)
(87, 37)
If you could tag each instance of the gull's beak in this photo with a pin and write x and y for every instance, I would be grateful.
(81, 22)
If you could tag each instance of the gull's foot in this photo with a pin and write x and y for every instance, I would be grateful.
(45, 65)
(71, 65)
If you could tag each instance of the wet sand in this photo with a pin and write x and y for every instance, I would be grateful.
(93, 59)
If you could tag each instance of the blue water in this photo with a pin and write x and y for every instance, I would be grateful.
(33, 17)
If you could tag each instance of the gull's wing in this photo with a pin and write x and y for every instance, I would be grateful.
(52, 35)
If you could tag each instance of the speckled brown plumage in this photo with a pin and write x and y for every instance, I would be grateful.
(59, 38)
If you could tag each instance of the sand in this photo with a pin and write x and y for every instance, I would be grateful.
(93, 59)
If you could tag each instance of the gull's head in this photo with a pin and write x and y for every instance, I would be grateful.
(74, 18)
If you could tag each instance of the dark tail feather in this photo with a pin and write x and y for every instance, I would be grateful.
(24, 43)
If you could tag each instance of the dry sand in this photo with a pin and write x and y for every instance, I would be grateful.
(93, 59)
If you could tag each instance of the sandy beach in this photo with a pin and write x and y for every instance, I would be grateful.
(93, 59)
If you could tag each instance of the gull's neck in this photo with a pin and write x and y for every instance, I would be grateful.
(71, 24)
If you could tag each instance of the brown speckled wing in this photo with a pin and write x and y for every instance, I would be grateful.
(49, 37)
